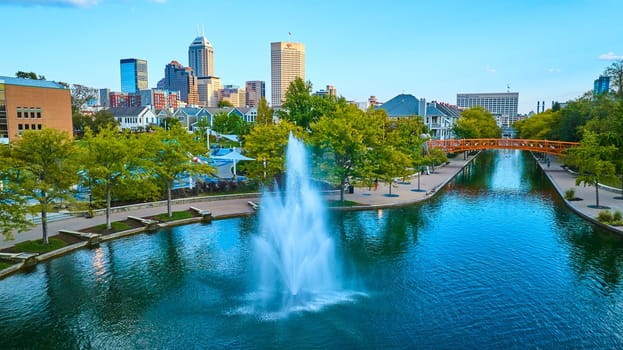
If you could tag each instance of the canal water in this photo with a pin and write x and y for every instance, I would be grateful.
(495, 261)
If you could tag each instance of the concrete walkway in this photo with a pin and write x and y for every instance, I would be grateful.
(564, 180)
(403, 194)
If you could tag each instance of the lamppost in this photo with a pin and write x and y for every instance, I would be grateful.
(264, 162)
(208, 139)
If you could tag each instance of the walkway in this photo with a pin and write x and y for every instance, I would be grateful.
(562, 180)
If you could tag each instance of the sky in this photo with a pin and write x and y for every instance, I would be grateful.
(547, 50)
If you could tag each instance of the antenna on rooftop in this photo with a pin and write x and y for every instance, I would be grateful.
(203, 30)
(508, 88)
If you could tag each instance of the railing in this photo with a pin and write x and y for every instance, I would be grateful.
(460, 145)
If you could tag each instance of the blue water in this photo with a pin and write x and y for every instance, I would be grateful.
(494, 262)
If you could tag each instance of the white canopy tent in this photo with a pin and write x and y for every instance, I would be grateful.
(235, 156)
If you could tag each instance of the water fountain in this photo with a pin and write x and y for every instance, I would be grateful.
(295, 256)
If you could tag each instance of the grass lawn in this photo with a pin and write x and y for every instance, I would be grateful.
(116, 226)
(37, 246)
(4, 265)
(177, 215)
(338, 203)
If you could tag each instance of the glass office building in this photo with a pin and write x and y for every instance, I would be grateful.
(133, 75)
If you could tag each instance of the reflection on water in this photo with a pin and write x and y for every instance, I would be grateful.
(494, 261)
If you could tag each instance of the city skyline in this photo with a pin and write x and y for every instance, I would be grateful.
(552, 50)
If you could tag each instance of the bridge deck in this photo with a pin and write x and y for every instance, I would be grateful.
(460, 145)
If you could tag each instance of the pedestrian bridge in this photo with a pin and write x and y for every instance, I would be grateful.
(460, 145)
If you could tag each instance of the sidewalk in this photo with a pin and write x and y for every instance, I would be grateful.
(563, 180)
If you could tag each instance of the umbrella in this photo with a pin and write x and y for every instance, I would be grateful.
(235, 156)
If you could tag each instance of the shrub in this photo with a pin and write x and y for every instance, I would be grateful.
(616, 216)
(570, 194)
(604, 216)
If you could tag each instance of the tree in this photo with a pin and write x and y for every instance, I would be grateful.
(80, 95)
(100, 120)
(170, 157)
(298, 107)
(615, 72)
(340, 143)
(593, 161)
(13, 207)
(267, 144)
(169, 122)
(264, 113)
(47, 167)
(572, 118)
(229, 123)
(539, 126)
(29, 75)
(476, 123)
(108, 159)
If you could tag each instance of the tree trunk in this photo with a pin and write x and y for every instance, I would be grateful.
(169, 212)
(597, 193)
(108, 200)
(44, 220)
(342, 191)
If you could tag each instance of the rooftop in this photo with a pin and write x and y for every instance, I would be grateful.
(31, 82)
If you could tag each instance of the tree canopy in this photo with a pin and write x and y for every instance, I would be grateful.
(476, 123)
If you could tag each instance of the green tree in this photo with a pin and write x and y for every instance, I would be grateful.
(169, 122)
(13, 207)
(29, 75)
(298, 107)
(229, 123)
(171, 157)
(476, 123)
(267, 144)
(341, 142)
(593, 161)
(47, 168)
(615, 72)
(108, 159)
(264, 113)
(539, 126)
(572, 118)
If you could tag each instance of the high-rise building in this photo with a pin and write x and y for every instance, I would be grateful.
(201, 57)
(104, 99)
(233, 94)
(255, 90)
(287, 62)
(208, 88)
(503, 105)
(133, 75)
(182, 79)
(602, 85)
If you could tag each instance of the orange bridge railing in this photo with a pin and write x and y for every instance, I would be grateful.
(459, 145)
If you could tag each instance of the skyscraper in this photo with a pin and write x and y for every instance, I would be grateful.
(255, 90)
(601, 85)
(133, 75)
(201, 57)
(180, 78)
(287, 62)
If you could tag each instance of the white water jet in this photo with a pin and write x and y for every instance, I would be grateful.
(295, 256)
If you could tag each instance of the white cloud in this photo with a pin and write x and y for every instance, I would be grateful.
(553, 70)
(490, 69)
(610, 56)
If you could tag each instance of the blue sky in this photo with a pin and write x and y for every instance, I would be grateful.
(545, 50)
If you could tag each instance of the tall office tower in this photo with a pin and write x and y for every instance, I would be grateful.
(208, 88)
(503, 105)
(255, 90)
(180, 78)
(287, 62)
(201, 57)
(133, 75)
(601, 85)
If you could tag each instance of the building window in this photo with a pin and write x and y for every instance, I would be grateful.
(32, 112)
(19, 112)
(33, 127)
(38, 112)
(38, 126)
(20, 127)
(26, 126)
